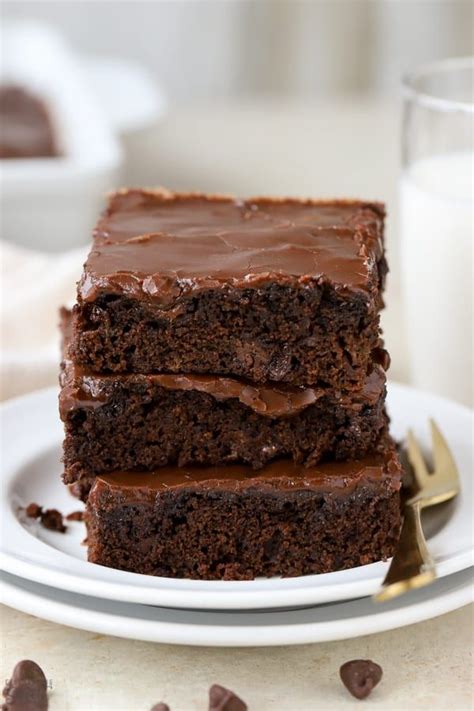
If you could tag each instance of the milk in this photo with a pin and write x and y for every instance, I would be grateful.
(436, 200)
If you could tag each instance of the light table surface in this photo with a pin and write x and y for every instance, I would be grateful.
(426, 666)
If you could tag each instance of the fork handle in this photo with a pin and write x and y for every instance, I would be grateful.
(412, 565)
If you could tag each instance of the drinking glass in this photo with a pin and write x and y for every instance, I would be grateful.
(436, 213)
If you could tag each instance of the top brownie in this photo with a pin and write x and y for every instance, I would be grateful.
(266, 289)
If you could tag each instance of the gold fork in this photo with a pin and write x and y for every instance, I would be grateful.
(412, 565)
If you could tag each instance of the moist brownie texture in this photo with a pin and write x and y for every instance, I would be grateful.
(25, 125)
(147, 421)
(190, 419)
(233, 524)
(268, 290)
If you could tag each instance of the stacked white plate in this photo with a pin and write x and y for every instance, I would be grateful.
(46, 573)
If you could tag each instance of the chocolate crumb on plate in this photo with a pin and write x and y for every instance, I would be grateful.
(75, 516)
(360, 676)
(222, 699)
(52, 519)
(34, 510)
(26, 689)
(160, 707)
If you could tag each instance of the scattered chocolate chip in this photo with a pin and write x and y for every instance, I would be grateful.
(52, 519)
(222, 699)
(26, 690)
(75, 516)
(160, 707)
(33, 510)
(28, 670)
(26, 696)
(360, 676)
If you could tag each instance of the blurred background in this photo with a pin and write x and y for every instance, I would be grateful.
(306, 49)
(296, 97)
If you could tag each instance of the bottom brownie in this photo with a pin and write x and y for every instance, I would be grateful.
(231, 523)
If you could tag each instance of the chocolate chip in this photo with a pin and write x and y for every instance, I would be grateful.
(221, 699)
(28, 670)
(160, 707)
(52, 519)
(360, 676)
(75, 516)
(381, 356)
(26, 696)
(26, 690)
(33, 510)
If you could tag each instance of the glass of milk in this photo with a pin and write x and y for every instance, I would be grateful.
(437, 226)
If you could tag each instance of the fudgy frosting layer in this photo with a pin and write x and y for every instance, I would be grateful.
(81, 389)
(156, 245)
(338, 477)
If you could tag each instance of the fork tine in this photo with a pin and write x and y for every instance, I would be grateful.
(442, 456)
(416, 458)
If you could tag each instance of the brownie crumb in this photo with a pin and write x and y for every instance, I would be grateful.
(75, 516)
(52, 519)
(222, 699)
(34, 510)
(360, 676)
(160, 707)
(26, 689)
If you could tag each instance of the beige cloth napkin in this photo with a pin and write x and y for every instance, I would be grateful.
(34, 286)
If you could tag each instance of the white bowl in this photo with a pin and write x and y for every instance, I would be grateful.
(52, 203)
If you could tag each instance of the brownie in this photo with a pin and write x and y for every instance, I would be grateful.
(232, 523)
(264, 289)
(147, 421)
(163, 419)
(25, 126)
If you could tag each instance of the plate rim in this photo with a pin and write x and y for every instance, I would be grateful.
(177, 593)
(394, 616)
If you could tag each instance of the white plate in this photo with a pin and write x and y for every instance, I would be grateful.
(32, 437)
(321, 623)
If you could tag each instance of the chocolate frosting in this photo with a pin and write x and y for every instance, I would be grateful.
(340, 477)
(81, 389)
(159, 246)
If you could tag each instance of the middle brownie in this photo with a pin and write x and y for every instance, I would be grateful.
(143, 422)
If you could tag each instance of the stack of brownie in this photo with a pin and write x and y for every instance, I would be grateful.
(223, 387)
